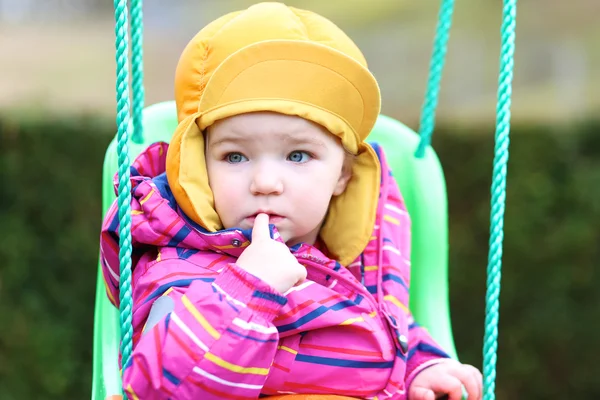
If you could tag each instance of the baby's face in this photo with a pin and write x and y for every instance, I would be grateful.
(282, 165)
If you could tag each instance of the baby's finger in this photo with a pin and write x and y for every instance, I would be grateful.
(419, 393)
(476, 374)
(472, 387)
(450, 385)
(260, 230)
(468, 380)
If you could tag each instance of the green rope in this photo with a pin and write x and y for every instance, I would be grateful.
(498, 197)
(436, 67)
(124, 192)
(137, 69)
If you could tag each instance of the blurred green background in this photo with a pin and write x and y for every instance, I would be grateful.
(57, 116)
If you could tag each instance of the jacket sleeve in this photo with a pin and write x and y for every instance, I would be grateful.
(423, 351)
(200, 335)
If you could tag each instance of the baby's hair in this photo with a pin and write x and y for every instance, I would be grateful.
(349, 160)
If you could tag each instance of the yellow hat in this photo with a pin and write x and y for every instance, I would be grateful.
(271, 57)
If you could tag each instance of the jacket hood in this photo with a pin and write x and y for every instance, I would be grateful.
(158, 221)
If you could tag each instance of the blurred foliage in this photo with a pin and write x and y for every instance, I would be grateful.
(50, 206)
(549, 299)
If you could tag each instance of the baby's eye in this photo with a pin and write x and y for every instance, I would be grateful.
(235, 158)
(299, 156)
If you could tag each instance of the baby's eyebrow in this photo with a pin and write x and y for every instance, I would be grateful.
(227, 139)
(293, 138)
(303, 139)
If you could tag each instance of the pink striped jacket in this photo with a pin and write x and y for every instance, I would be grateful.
(206, 329)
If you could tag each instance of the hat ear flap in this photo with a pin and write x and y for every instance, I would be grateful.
(188, 177)
(351, 217)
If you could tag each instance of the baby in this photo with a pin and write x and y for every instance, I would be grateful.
(270, 242)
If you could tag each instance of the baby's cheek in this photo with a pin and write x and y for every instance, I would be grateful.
(227, 199)
(317, 205)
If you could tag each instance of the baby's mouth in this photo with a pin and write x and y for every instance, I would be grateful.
(273, 218)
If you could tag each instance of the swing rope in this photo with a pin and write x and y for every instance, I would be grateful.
(498, 200)
(436, 68)
(124, 191)
(137, 69)
(123, 120)
(501, 153)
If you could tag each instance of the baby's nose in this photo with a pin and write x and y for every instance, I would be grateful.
(267, 179)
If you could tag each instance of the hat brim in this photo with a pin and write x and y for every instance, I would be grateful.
(295, 77)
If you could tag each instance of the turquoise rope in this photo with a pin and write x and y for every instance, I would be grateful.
(124, 192)
(436, 67)
(137, 69)
(498, 200)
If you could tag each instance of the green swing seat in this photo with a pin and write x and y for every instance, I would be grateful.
(421, 181)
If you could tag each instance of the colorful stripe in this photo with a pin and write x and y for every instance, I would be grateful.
(200, 318)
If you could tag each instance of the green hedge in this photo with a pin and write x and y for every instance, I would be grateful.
(50, 206)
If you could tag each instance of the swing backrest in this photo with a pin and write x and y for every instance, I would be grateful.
(421, 181)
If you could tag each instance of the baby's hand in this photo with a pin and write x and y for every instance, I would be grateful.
(269, 260)
(446, 379)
